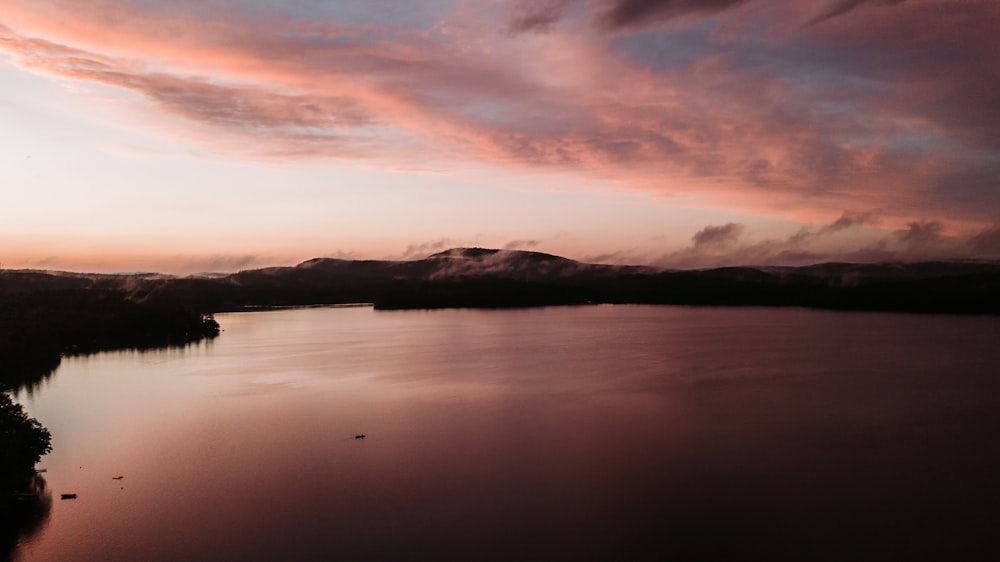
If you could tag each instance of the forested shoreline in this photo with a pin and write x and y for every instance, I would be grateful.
(38, 328)
(47, 315)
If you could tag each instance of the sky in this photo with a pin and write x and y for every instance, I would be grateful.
(218, 135)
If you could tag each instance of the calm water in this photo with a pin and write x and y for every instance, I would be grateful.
(560, 433)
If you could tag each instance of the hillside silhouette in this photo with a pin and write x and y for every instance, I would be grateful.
(44, 315)
(477, 277)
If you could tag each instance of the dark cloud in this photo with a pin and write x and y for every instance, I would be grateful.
(852, 218)
(717, 237)
(543, 15)
(536, 16)
(840, 7)
(719, 246)
(849, 219)
(921, 233)
(628, 13)
(521, 244)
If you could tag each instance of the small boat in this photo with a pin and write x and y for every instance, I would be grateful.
(117, 477)
(68, 496)
(359, 436)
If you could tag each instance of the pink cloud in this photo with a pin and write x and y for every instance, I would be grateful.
(871, 107)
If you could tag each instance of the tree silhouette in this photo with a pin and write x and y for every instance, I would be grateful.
(23, 441)
(24, 501)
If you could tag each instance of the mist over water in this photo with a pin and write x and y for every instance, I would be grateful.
(603, 432)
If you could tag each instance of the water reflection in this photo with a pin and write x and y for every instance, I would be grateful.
(581, 433)
(24, 513)
(28, 381)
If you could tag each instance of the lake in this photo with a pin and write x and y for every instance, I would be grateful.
(594, 432)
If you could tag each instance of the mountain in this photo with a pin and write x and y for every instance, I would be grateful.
(478, 277)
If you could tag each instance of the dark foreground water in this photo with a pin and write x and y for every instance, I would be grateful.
(609, 433)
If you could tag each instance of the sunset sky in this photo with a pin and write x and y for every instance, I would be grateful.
(217, 135)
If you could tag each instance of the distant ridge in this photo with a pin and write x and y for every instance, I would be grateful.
(490, 278)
